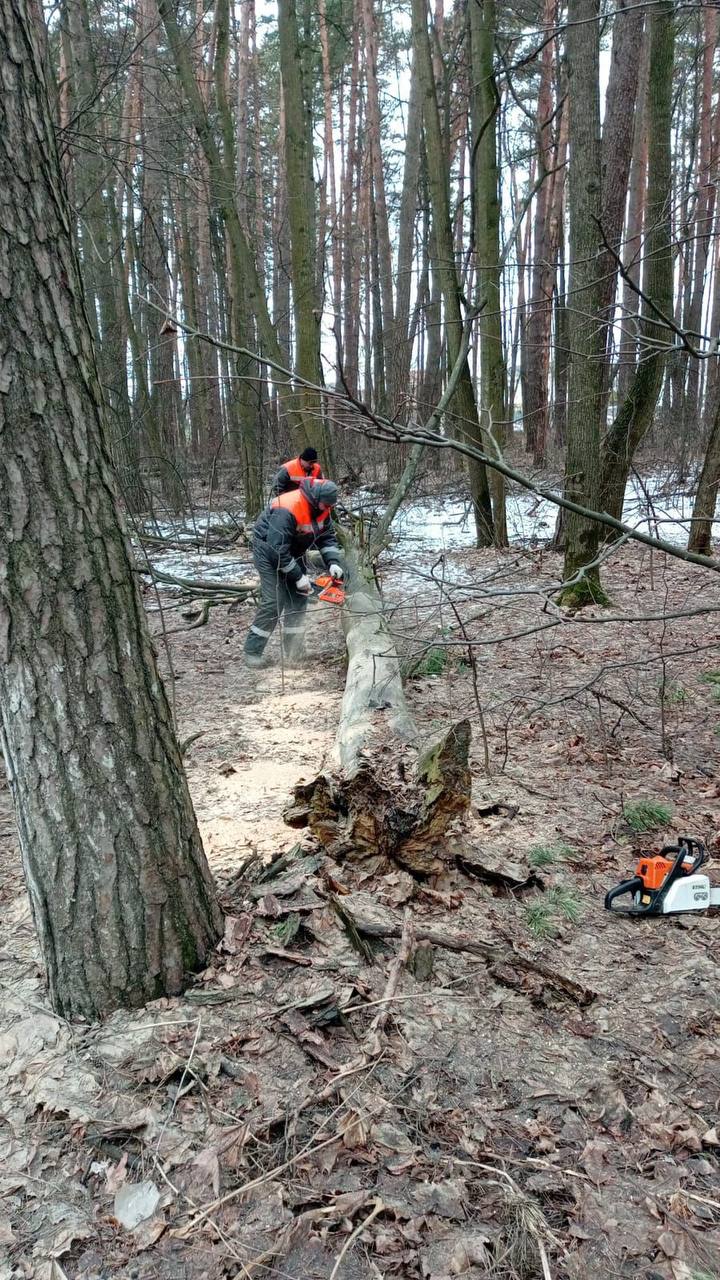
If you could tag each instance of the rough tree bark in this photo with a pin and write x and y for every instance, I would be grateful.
(386, 336)
(298, 160)
(119, 886)
(582, 465)
(486, 179)
(701, 529)
(616, 155)
(542, 274)
(704, 210)
(464, 408)
(401, 354)
(330, 180)
(348, 355)
(635, 415)
(634, 228)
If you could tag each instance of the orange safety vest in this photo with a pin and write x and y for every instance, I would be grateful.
(297, 503)
(296, 470)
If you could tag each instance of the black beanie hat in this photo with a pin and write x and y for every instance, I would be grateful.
(308, 455)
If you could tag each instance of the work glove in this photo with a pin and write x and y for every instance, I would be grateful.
(303, 585)
(336, 571)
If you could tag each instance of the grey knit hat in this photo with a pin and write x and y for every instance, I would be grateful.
(321, 492)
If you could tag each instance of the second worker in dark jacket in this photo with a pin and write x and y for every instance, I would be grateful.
(290, 526)
(291, 473)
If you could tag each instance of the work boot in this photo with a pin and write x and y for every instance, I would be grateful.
(256, 660)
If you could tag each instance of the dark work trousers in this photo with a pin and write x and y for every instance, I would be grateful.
(278, 596)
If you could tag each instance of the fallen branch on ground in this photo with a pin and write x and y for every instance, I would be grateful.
(201, 586)
(400, 962)
(492, 954)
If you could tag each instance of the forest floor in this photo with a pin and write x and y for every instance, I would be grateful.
(494, 1122)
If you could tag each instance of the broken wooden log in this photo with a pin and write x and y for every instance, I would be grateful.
(381, 794)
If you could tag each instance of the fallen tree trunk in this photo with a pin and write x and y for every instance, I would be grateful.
(381, 794)
(373, 705)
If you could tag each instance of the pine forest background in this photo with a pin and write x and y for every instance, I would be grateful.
(339, 187)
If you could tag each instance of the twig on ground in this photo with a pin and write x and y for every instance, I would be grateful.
(186, 1072)
(200, 586)
(378, 1208)
(407, 941)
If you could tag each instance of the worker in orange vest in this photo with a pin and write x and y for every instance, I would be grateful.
(305, 467)
(292, 524)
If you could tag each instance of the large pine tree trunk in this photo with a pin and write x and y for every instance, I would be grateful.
(704, 210)
(401, 355)
(350, 246)
(119, 886)
(386, 336)
(333, 212)
(298, 160)
(542, 276)
(632, 249)
(467, 422)
(635, 415)
(486, 179)
(582, 465)
(616, 154)
(701, 530)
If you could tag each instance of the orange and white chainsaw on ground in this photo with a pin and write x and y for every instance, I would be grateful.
(329, 590)
(667, 883)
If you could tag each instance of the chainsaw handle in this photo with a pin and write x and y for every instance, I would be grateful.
(699, 857)
(625, 886)
(689, 856)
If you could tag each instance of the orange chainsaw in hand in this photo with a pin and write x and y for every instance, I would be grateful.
(329, 590)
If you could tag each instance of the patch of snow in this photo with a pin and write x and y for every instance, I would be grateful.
(446, 524)
(428, 527)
